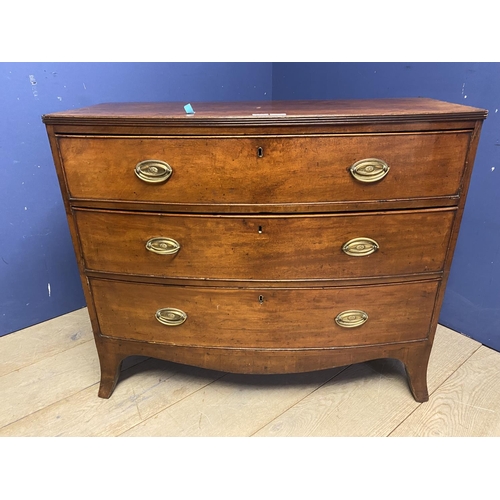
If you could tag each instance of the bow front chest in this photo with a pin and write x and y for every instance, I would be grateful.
(265, 237)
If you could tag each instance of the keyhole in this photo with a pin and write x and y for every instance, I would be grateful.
(260, 229)
(260, 152)
(261, 299)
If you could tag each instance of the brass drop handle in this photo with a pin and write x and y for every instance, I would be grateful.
(163, 246)
(351, 318)
(369, 170)
(360, 247)
(153, 171)
(170, 316)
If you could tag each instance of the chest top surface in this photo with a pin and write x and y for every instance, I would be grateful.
(270, 112)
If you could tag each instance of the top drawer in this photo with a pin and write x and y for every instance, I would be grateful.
(266, 171)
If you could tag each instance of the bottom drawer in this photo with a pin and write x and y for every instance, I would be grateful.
(265, 317)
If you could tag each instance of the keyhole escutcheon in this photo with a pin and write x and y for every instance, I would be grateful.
(261, 299)
(260, 152)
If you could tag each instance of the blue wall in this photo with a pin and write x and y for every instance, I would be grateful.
(35, 247)
(472, 300)
(38, 272)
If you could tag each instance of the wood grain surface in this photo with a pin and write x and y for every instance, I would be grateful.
(56, 395)
(214, 170)
(264, 112)
(265, 248)
(467, 404)
(368, 399)
(61, 375)
(146, 389)
(45, 339)
(235, 405)
(266, 159)
(264, 318)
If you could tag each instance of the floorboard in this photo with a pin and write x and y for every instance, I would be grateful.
(144, 389)
(32, 344)
(369, 399)
(234, 405)
(49, 376)
(466, 405)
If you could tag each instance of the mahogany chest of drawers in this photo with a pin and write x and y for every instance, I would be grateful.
(265, 237)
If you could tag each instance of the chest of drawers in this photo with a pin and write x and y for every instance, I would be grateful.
(265, 237)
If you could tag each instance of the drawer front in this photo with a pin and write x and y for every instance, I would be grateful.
(265, 248)
(265, 170)
(264, 318)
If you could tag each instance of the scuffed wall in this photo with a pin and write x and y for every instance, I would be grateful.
(472, 301)
(38, 272)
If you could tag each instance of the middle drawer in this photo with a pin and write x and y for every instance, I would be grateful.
(265, 248)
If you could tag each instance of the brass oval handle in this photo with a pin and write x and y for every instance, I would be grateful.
(170, 316)
(163, 246)
(153, 171)
(360, 247)
(369, 170)
(351, 318)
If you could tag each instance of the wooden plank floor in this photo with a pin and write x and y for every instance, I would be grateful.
(49, 376)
